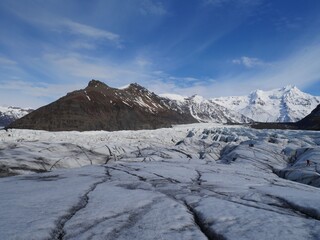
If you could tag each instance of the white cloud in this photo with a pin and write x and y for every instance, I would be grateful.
(249, 62)
(35, 89)
(6, 61)
(215, 2)
(87, 35)
(142, 62)
(79, 68)
(220, 3)
(89, 31)
(285, 23)
(302, 69)
(32, 95)
(81, 44)
(149, 7)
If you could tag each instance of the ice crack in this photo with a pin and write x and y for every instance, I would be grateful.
(203, 225)
(59, 232)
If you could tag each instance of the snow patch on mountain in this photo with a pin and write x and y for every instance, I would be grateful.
(175, 97)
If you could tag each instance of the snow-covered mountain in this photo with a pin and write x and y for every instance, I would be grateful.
(204, 110)
(10, 114)
(287, 104)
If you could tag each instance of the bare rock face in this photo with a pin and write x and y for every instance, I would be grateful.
(100, 107)
(312, 121)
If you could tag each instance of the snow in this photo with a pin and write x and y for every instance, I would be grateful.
(205, 110)
(197, 181)
(175, 97)
(124, 87)
(287, 104)
(197, 99)
(14, 111)
(140, 102)
(87, 95)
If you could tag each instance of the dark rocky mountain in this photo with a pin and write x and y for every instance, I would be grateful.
(312, 121)
(100, 107)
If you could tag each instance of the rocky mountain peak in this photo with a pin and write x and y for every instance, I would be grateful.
(136, 86)
(96, 83)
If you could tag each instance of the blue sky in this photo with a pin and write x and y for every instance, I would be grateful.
(207, 47)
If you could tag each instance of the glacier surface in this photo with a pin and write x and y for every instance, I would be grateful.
(198, 181)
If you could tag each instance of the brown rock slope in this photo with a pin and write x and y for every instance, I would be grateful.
(99, 107)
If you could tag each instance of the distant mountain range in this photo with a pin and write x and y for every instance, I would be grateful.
(10, 114)
(100, 107)
(286, 104)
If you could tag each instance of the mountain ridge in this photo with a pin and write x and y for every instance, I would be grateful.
(205, 110)
(287, 104)
(100, 107)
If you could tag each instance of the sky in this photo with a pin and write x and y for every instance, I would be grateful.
(211, 48)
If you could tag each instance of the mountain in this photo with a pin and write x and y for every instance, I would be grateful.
(286, 104)
(204, 110)
(10, 114)
(312, 121)
(100, 107)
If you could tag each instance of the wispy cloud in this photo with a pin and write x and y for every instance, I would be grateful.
(83, 35)
(149, 7)
(301, 68)
(85, 68)
(36, 89)
(285, 23)
(220, 3)
(7, 61)
(88, 31)
(249, 62)
(33, 95)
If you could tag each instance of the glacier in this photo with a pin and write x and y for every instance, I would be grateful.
(195, 181)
